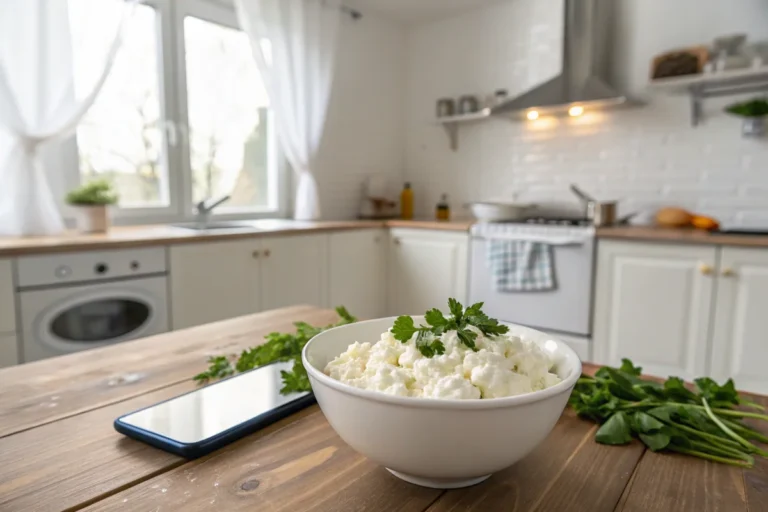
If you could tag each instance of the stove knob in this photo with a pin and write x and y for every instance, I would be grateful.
(101, 268)
(62, 271)
(134, 265)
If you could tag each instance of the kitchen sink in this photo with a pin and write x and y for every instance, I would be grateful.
(216, 225)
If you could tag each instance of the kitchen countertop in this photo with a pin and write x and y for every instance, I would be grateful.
(680, 235)
(56, 415)
(143, 236)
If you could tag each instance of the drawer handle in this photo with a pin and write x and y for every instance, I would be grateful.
(397, 241)
(729, 272)
(255, 254)
(705, 269)
(267, 253)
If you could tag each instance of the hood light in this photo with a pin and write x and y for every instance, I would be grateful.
(532, 115)
(575, 111)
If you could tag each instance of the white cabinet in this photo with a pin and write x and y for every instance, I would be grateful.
(9, 350)
(213, 281)
(652, 305)
(425, 269)
(294, 271)
(7, 301)
(357, 271)
(739, 340)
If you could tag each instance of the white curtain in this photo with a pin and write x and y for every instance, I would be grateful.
(294, 43)
(37, 105)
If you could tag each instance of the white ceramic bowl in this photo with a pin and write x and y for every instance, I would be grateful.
(496, 212)
(432, 442)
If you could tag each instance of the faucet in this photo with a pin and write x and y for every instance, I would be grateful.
(204, 210)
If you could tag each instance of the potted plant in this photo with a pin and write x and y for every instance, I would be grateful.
(91, 202)
(753, 113)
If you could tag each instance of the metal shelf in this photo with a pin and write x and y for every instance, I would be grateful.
(452, 123)
(711, 85)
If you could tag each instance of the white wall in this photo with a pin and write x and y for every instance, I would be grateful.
(646, 157)
(364, 130)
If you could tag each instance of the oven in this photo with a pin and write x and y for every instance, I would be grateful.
(79, 301)
(564, 311)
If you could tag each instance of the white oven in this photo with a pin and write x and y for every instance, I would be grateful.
(564, 311)
(78, 301)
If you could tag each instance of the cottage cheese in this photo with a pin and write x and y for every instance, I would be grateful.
(502, 366)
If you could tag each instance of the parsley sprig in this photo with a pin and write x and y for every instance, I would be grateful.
(279, 347)
(428, 336)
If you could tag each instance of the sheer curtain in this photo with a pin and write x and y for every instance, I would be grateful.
(37, 105)
(294, 43)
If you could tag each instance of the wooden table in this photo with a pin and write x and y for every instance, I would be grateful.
(58, 450)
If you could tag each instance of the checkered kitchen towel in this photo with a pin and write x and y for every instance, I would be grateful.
(519, 266)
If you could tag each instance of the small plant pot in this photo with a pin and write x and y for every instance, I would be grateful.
(92, 219)
(753, 127)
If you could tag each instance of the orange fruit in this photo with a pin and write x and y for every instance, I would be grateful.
(703, 222)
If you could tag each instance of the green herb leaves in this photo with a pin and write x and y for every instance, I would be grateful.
(669, 416)
(278, 347)
(460, 318)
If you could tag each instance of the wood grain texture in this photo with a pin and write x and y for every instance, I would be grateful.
(45, 391)
(568, 471)
(680, 235)
(304, 466)
(143, 236)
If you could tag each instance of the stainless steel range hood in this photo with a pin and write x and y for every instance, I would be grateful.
(585, 63)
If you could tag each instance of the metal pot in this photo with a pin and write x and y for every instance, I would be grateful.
(601, 213)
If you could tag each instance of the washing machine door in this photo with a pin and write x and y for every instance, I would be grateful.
(64, 320)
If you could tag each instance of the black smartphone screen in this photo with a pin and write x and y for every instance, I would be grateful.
(213, 410)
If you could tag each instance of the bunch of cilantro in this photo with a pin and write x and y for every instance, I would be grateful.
(279, 347)
(428, 336)
(702, 422)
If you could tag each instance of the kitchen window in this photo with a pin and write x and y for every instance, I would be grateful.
(183, 116)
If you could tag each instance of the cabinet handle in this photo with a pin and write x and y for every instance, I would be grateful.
(255, 254)
(728, 272)
(267, 253)
(705, 269)
(397, 241)
(377, 239)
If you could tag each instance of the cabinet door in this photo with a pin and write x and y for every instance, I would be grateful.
(426, 268)
(7, 298)
(356, 271)
(9, 350)
(294, 271)
(213, 281)
(739, 346)
(652, 305)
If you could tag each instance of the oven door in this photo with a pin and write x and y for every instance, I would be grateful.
(565, 309)
(70, 319)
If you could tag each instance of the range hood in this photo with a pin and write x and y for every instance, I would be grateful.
(580, 86)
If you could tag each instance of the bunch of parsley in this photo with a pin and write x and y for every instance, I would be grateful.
(702, 422)
(279, 347)
(428, 336)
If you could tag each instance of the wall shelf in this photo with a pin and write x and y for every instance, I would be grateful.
(710, 85)
(452, 123)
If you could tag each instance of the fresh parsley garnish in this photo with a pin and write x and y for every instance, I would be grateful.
(427, 339)
(702, 421)
(279, 347)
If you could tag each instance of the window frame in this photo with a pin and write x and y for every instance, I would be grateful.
(172, 87)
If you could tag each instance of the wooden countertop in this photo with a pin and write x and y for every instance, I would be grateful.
(58, 450)
(683, 236)
(143, 236)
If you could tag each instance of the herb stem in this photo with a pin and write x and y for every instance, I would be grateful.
(741, 414)
(736, 437)
(745, 431)
(721, 450)
(707, 456)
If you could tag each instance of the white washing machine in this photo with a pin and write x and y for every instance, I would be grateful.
(77, 301)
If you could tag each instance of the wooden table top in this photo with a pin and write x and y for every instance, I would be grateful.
(58, 450)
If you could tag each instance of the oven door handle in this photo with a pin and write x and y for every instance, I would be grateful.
(557, 241)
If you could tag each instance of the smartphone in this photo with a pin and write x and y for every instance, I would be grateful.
(204, 420)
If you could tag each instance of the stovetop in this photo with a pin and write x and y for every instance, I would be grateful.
(556, 221)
